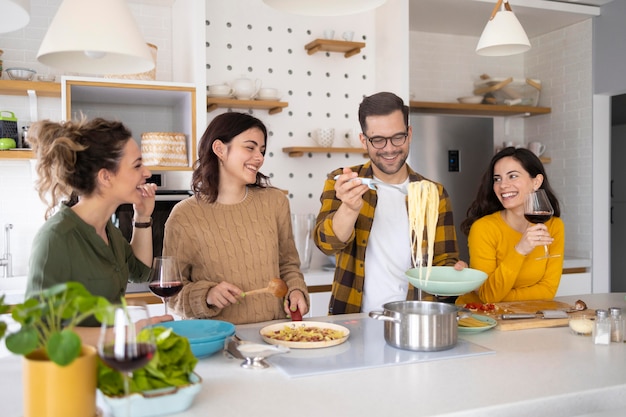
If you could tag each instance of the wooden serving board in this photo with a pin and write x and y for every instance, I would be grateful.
(530, 307)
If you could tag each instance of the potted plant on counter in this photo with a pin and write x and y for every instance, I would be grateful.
(53, 352)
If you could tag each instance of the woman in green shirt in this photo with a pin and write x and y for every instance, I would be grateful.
(90, 168)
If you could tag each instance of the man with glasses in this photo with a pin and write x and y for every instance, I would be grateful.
(368, 230)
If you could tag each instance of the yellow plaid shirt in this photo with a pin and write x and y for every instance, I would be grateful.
(347, 288)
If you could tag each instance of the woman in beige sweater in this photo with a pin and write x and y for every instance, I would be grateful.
(234, 234)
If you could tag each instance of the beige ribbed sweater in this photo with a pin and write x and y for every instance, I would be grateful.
(245, 244)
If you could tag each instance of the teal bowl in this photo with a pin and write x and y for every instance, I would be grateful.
(446, 281)
(205, 336)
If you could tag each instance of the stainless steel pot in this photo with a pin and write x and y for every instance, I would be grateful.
(419, 325)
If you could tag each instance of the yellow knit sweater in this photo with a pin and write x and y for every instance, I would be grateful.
(245, 244)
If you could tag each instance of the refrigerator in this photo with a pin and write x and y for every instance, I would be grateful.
(454, 151)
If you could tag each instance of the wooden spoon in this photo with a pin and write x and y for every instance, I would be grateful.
(276, 287)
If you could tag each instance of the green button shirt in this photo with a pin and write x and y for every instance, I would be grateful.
(68, 249)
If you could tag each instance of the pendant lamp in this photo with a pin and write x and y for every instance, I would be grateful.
(95, 37)
(14, 14)
(503, 35)
(324, 7)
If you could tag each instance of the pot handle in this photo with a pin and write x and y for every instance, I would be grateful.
(378, 315)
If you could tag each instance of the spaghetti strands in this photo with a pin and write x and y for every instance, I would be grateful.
(423, 205)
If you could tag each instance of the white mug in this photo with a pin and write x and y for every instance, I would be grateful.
(508, 143)
(329, 34)
(537, 148)
(348, 35)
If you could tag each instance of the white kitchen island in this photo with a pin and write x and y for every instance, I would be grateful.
(537, 372)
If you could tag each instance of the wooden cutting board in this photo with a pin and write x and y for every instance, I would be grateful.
(531, 307)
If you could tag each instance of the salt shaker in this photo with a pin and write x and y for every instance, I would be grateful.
(617, 326)
(601, 334)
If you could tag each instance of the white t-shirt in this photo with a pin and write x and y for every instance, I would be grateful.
(388, 252)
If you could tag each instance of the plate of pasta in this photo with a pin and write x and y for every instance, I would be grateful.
(445, 280)
(476, 323)
(305, 334)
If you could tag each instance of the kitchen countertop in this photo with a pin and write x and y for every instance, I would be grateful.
(539, 372)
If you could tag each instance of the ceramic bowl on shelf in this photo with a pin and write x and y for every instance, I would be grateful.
(22, 74)
(470, 100)
(48, 78)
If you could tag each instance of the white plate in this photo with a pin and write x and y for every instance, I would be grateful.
(304, 345)
(219, 95)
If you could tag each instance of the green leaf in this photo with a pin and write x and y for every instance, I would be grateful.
(23, 342)
(63, 347)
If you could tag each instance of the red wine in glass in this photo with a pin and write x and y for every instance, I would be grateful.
(165, 290)
(165, 280)
(538, 217)
(131, 357)
(537, 209)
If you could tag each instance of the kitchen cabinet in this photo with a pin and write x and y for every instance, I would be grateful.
(574, 281)
(143, 106)
(348, 48)
(486, 110)
(298, 151)
(272, 106)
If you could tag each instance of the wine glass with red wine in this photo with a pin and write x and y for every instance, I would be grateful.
(537, 209)
(126, 341)
(165, 280)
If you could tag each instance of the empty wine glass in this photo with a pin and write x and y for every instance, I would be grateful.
(537, 209)
(165, 280)
(120, 345)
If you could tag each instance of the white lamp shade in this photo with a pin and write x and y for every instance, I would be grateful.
(324, 7)
(14, 14)
(95, 37)
(503, 35)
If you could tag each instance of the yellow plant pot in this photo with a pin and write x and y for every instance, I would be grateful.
(51, 390)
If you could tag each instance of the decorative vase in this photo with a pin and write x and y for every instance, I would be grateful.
(51, 390)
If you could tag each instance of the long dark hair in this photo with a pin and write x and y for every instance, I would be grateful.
(206, 175)
(487, 202)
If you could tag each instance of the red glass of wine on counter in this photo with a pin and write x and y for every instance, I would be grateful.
(120, 346)
(165, 280)
(537, 209)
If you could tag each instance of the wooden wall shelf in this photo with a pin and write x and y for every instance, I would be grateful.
(273, 107)
(298, 151)
(20, 88)
(17, 154)
(486, 110)
(348, 48)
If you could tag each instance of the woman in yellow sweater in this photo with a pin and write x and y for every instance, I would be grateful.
(503, 243)
(234, 234)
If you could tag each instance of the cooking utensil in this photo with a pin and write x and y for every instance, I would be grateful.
(296, 315)
(545, 314)
(419, 325)
(374, 183)
(276, 287)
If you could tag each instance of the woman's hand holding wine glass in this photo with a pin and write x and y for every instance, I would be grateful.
(537, 209)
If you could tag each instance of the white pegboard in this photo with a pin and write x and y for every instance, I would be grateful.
(323, 90)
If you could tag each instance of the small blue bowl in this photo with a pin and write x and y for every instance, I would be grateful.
(201, 330)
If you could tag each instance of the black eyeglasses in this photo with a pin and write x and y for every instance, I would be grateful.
(380, 142)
